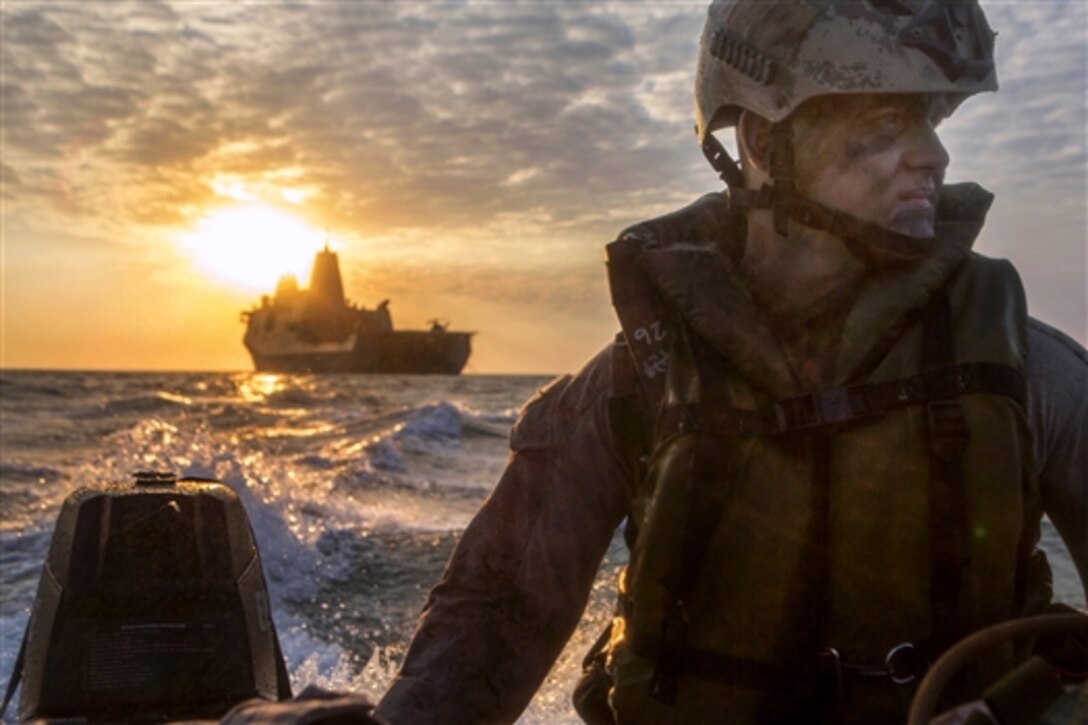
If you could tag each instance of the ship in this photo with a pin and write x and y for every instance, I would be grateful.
(316, 330)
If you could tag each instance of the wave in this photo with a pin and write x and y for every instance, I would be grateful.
(295, 398)
(439, 422)
(13, 472)
(355, 487)
(315, 461)
(484, 427)
(353, 638)
(138, 405)
(16, 386)
(234, 415)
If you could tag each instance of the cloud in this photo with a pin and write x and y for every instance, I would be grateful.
(433, 108)
(430, 108)
(497, 132)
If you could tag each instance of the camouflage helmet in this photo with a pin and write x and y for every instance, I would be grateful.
(769, 56)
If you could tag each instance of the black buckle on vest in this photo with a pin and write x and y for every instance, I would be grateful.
(947, 428)
(946, 419)
(798, 413)
(830, 407)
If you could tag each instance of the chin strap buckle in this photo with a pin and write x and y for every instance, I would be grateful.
(728, 170)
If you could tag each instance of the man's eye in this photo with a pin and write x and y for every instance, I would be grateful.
(890, 124)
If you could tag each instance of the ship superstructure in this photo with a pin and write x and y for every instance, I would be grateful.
(316, 330)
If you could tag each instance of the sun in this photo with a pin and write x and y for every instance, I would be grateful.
(253, 246)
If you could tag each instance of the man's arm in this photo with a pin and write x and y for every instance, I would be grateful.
(518, 581)
(1058, 413)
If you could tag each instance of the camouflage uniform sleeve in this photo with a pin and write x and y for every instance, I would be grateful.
(519, 579)
(1058, 414)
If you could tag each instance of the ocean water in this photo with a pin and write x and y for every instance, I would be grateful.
(357, 488)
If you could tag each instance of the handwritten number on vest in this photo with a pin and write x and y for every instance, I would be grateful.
(656, 362)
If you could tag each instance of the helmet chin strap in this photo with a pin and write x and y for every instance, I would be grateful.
(781, 170)
(871, 243)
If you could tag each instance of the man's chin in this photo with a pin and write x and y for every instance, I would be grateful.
(913, 223)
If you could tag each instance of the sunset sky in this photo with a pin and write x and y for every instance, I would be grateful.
(164, 162)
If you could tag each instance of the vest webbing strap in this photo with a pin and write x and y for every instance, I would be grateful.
(717, 667)
(706, 502)
(820, 672)
(948, 435)
(628, 419)
(854, 403)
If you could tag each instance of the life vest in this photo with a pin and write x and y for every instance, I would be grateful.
(802, 549)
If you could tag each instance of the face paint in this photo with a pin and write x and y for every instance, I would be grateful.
(874, 156)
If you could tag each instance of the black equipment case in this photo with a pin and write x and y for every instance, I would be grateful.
(152, 605)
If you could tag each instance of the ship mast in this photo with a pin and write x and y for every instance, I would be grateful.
(325, 283)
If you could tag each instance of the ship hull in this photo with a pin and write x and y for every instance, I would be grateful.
(315, 330)
(406, 352)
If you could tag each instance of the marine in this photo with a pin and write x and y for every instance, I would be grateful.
(830, 428)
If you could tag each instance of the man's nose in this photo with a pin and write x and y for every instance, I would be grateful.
(926, 151)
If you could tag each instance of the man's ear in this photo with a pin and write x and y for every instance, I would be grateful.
(754, 140)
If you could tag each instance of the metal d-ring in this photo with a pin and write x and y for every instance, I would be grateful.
(904, 648)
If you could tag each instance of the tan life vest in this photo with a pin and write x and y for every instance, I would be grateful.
(788, 539)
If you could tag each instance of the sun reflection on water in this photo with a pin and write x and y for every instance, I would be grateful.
(259, 387)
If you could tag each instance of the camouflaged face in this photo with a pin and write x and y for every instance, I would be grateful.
(769, 57)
